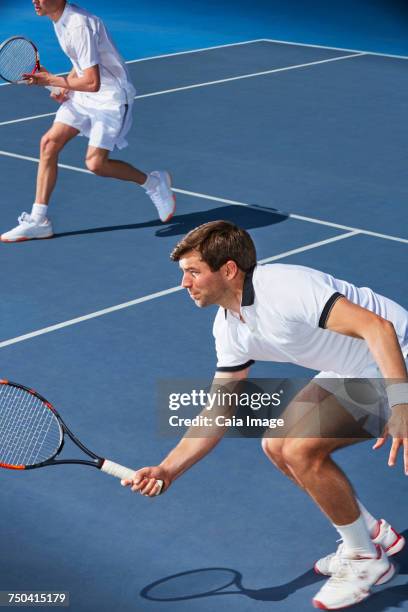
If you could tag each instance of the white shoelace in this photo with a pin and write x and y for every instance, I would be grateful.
(345, 568)
(25, 218)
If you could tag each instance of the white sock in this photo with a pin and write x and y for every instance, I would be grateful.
(371, 522)
(151, 182)
(356, 539)
(39, 212)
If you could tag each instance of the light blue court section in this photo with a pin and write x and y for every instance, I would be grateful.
(142, 29)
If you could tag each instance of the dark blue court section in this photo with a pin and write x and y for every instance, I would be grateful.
(326, 141)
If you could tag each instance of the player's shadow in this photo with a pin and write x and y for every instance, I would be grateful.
(247, 218)
(178, 587)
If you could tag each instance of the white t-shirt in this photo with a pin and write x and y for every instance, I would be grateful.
(285, 309)
(85, 40)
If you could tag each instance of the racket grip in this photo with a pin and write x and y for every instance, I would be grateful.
(119, 471)
(124, 473)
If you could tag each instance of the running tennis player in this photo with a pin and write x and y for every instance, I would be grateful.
(295, 314)
(96, 101)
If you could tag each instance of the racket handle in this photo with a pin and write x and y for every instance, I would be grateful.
(124, 473)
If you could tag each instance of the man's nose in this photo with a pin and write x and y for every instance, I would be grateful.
(186, 281)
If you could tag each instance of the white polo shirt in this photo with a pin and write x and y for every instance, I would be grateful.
(285, 309)
(85, 40)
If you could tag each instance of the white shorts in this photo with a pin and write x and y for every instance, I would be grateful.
(364, 397)
(105, 128)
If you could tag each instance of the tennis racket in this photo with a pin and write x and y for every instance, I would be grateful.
(19, 56)
(32, 435)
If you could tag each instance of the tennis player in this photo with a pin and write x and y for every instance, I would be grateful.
(96, 100)
(295, 314)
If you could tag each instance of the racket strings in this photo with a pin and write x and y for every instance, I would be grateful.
(17, 57)
(29, 431)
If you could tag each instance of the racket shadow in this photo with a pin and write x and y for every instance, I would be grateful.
(210, 581)
(214, 581)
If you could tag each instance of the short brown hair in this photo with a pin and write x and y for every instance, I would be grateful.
(218, 242)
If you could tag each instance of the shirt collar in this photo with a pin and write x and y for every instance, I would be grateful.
(248, 291)
(63, 19)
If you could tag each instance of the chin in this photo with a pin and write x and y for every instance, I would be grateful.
(200, 303)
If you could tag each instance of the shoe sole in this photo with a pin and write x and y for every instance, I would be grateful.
(392, 550)
(381, 580)
(24, 238)
(169, 181)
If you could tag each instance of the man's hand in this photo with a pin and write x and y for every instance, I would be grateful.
(61, 96)
(397, 427)
(145, 481)
(41, 78)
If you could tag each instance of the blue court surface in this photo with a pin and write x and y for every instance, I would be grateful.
(305, 147)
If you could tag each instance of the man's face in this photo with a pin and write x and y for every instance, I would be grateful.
(204, 286)
(45, 7)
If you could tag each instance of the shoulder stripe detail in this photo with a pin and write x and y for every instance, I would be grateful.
(236, 368)
(327, 308)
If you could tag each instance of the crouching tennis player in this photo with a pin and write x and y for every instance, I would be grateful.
(96, 101)
(295, 314)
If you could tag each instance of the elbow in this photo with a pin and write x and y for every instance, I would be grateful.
(380, 327)
(95, 86)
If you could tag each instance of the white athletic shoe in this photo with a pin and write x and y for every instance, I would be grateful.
(28, 229)
(391, 541)
(161, 195)
(353, 579)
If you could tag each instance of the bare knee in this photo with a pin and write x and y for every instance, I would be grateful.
(96, 165)
(303, 455)
(272, 447)
(50, 146)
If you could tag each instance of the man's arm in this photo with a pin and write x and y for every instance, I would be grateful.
(352, 320)
(89, 82)
(188, 451)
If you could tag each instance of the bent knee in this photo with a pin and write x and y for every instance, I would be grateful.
(50, 146)
(95, 165)
(303, 454)
(272, 447)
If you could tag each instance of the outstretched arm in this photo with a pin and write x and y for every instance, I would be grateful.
(188, 451)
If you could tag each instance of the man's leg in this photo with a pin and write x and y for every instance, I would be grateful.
(36, 225)
(97, 161)
(360, 565)
(157, 184)
(51, 144)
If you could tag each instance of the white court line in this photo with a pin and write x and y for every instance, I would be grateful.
(253, 74)
(163, 56)
(298, 44)
(290, 215)
(204, 196)
(158, 294)
(202, 50)
(208, 83)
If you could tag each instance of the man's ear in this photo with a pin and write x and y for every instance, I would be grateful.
(230, 269)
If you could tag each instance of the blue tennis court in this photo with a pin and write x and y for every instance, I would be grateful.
(305, 147)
